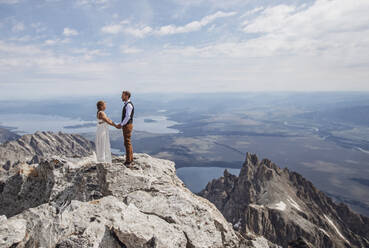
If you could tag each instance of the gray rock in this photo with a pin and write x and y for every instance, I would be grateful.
(282, 206)
(67, 202)
(20, 156)
(44, 144)
(11, 231)
(56, 180)
(96, 224)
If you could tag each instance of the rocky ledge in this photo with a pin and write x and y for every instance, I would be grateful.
(61, 202)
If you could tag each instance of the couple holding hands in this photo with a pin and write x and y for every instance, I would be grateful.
(102, 141)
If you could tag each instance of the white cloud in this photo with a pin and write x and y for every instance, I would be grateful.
(337, 30)
(44, 61)
(167, 29)
(252, 12)
(271, 19)
(90, 54)
(211, 28)
(14, 50)
(92, 2)
(193, 26)
(70, 32)
(118, 28)
(39, 27)
(129, 50)
(107, 42)
(25, 38)
(112, 29)
(51, 42)
(320, 46)
(43, 57)
(323, 17)
(18, 27)
(137, 32)
(34, 71)
(215, 4)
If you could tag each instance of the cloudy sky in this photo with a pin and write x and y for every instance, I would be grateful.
(88, 47)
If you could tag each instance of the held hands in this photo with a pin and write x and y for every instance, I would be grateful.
(118, 126)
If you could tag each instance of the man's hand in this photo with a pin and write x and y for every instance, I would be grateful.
(118, 126)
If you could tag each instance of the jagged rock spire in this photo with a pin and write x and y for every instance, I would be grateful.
(283, 206)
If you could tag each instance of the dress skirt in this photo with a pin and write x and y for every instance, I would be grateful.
(103, 153)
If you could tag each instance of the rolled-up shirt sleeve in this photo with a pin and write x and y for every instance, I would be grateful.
(128, 114)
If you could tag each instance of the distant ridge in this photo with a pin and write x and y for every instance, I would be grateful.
(31, 147)
(6, 135)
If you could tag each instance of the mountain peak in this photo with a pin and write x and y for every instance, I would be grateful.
(283, 206)
(251, 159)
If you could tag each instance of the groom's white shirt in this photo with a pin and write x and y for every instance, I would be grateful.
(128, 113)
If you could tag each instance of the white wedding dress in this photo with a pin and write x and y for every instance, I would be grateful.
(103, 153)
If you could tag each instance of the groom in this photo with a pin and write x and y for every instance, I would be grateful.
(127, 126)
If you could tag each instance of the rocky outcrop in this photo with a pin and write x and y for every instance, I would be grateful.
(55, 180)
(62, 202)
(31, 148)
(284, 207)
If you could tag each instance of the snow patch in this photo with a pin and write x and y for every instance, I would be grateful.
(280, 206)
(323, 231)
(335, 228)
(256, 206)
(238, 224)
(294, 204)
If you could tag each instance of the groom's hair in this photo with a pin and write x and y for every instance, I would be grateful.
(126, 92)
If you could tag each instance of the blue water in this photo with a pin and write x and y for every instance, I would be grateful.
(196, 178)
(30, 123)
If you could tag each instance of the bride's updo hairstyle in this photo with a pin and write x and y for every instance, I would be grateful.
(99, 106)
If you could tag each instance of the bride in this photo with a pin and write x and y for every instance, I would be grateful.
(103, 153)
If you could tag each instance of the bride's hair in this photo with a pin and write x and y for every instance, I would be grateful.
(99, 106)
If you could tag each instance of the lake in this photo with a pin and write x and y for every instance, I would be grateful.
(30, 123)
(196, 178)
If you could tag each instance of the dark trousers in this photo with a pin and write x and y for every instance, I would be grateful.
(127, 133)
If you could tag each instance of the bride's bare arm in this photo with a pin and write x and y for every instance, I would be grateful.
(102, 116)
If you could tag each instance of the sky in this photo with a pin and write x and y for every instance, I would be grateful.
(51, 48)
